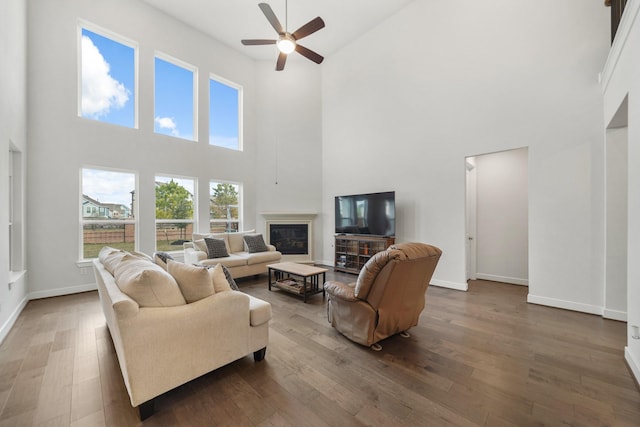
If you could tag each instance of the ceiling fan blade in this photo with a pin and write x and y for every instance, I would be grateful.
(257, 42)
(271, 17)
(309, 54)
(308, 28)
(282, 58)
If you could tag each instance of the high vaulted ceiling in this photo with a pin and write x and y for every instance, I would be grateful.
(229, 21)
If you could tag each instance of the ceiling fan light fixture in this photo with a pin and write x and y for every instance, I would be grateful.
(286, 44)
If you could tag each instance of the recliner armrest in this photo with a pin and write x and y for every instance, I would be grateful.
(341, 290)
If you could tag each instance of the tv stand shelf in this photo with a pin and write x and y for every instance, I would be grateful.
(353, 251)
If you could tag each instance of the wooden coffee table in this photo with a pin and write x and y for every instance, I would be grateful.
(299, 279)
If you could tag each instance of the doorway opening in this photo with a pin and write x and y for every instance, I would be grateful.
(497, 220)
(616, 195)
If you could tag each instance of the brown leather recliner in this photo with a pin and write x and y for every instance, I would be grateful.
(387, 297)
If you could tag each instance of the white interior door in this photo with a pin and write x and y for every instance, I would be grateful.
(471, 206)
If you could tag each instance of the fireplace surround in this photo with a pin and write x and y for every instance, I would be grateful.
(292, 234)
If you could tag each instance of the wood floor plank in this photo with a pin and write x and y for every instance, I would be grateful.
(478, 358)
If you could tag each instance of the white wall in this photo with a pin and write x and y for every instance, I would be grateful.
(621, 80)
(461, 78)
(502, 222)
(61, 143)
(13, 131)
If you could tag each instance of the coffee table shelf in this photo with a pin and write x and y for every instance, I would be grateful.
(299, 279)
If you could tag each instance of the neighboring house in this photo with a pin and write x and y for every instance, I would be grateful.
(92, 208)
(118, 211)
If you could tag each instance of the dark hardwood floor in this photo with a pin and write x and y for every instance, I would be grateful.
(480, 358)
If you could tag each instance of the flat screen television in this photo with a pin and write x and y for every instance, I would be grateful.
(368, 214)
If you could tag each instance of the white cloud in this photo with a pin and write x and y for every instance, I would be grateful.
(168, 123)
(100, 91)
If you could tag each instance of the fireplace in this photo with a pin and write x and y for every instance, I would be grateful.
(292, 234)
(290, 239)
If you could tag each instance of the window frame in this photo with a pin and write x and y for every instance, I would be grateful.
(194, 219)
(240, 220)
(83, 221)
(194, 70)
(240, 111)
(89, 26)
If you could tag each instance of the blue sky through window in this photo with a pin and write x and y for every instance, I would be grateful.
(108, 79)
(173, 100)
(223, 115)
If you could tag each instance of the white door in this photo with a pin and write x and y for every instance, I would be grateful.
(470, 233)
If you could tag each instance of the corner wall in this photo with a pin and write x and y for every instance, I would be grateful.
(621, 80)
(13, 132)
(471, 78)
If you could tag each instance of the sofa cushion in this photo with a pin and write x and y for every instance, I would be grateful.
(161, 259)
(194, 282)
(147, 283)
(216, 248)
(259, 311)
(236, 240)
(223, 236)
(260, 257)
(218, 279)
(200, 245)
(110, 257)
(229, 277)
(233, 260)
(255, 243)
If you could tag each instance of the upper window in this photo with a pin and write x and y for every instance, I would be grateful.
(175, 209)
(175, 100)
(225, 104)
(224, 206)
(107, 211)
(107, 78)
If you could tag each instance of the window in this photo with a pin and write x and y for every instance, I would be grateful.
(108, 211)
(107, 78)
(225, 104)
(14, 206)
(175, 209)
(225, 206)
(175, 99)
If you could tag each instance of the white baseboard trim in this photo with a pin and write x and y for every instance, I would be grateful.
(503, 279)
(566, 305)
(634, 364)
(63, 291)
(6, 328)
(615, 315)
(451, 285)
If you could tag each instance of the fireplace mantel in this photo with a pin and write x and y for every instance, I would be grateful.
(292, 218)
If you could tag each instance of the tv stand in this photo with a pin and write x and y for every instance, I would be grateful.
(353, 251)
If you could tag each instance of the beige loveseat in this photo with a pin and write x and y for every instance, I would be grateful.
(240, 261)
(163, 346)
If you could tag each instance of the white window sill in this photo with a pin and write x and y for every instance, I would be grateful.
(14, 276)
(84, 263)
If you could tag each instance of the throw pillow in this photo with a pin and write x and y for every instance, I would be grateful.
(216, 248)
(147, 283)
(161, 259)
(218, 279)
(229, 277)
(110, 258)
(255, 243)
(200, 245)
(194, 282)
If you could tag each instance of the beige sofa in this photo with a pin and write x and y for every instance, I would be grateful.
(162, 347)
(240, 262)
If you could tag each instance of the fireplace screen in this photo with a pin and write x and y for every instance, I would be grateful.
(290, 239)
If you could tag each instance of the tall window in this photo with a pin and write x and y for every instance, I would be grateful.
(225, 206)
(175, 99)
(225, 114)
(107, 78)
(175, 207)
(107, 211)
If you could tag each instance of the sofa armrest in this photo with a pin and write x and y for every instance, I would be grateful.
(271, 248)
(186, 245)
(341, 290)
(193, 256)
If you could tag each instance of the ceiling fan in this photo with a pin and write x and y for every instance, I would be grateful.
(288, 42)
